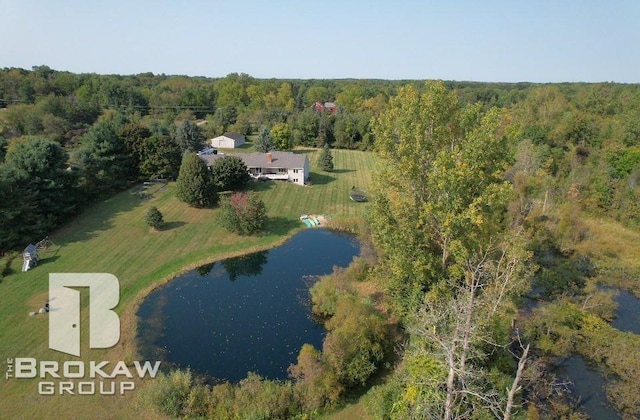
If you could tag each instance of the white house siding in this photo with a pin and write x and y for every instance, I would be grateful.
(226, 142)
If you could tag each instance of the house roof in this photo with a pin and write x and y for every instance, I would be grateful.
(287, 160)
(233, 136)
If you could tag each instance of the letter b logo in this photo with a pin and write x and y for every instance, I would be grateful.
(64, 315)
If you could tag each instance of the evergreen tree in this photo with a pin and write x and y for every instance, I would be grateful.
(3, 148)
(326, 159)
(154, 218)
(195, 184)
(264, 143)
(104, 160)
(189, 137)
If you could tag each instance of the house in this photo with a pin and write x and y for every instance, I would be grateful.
(286, 166)
(228, 141)
(326, 107)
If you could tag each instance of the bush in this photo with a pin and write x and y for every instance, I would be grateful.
(169, 393)
(354, 346)
(244, 214)
(230, 173)
(154, 218)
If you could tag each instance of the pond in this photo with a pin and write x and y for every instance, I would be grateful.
(587, 385)
(628, 313)
(250, 313)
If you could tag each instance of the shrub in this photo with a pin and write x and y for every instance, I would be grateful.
(244, 214)
(169, 393)
(230, 173)
(154, 218)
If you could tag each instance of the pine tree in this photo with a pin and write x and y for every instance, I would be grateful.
(264, 143)
(326, 159)
(195, 185)
(154, 218)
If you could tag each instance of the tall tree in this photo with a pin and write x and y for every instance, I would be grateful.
(439, 219)
(281, 135)
(326, 159)
(103, 160)
(37, 191)
(195, 184)
(264, 143)
(160, 157)
(189, 137)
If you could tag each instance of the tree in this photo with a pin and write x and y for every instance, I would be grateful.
(134, 135)
(326, 159)
(281, 135)
(3, 148)
(223, 118)
(452, 259)
(189, 137)
(37, 190)
(195, 184)
(154, 218)
(264, 143)
(103, 160)
(160, 157)
(230, 173)
(244, 214)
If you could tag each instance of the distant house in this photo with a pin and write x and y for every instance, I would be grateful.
(286, 166)
(326, 107)
(228, 141)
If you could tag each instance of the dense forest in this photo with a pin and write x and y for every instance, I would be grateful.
(481, 204)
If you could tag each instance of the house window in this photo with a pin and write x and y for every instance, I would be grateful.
(258, 170)
(295, 171)
(295, 180)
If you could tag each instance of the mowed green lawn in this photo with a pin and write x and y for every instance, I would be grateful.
(112, 237)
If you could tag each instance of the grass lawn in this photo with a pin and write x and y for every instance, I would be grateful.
(112, 237)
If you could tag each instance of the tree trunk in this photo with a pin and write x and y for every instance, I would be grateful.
(515, 387)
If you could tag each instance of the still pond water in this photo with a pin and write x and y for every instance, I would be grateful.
(246, 314)
(587, 383)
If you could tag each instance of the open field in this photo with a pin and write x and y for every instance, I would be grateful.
(112, 237)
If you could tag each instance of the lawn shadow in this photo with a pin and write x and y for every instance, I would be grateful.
(259, 186)
(320, 179)
(48, 260)
(281, 225)
(342, 171)
(172, 225)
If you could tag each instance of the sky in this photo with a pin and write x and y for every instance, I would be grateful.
(488, 41)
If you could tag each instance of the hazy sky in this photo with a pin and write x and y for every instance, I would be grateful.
(510, 41)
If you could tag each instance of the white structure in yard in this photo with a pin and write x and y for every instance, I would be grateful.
(228, 141)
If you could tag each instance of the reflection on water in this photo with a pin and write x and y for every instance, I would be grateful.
(243, 314)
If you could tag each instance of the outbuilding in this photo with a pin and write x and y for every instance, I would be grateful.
(228, 141)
